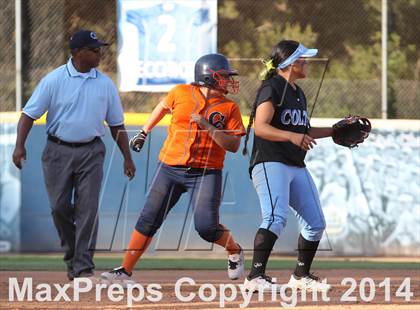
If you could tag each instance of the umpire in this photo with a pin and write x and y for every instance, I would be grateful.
(78, 98)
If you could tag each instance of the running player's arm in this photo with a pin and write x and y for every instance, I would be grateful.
(230, 143)
(263, 129)
(157, 114)
(320, 132)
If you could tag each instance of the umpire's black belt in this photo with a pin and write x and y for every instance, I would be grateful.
(72, 144)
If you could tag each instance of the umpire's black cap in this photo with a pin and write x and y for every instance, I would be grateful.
(85, 38)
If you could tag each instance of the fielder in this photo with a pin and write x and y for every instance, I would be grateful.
(204, 125)
(282, 136)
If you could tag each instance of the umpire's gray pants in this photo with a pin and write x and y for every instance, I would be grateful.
(75, 171)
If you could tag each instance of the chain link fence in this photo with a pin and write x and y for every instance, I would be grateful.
(7, 57)
(347, 32)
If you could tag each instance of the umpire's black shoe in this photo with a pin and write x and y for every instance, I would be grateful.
(70, 274)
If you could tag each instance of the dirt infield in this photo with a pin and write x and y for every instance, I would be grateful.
(204, 280)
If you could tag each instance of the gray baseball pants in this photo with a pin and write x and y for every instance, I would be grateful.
(73, 177)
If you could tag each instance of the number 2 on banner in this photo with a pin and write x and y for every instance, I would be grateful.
(165, 45)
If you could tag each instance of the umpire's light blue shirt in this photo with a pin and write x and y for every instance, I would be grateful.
(77, 103)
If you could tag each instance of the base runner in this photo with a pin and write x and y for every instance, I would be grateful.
(204, 125)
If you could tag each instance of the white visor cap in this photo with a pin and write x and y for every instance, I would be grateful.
(301, 51)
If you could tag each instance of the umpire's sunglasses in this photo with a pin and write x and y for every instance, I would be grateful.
(95, 50)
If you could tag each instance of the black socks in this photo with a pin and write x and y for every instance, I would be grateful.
(263, 244)
(307, 250)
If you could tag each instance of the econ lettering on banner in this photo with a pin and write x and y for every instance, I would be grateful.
(160, 40)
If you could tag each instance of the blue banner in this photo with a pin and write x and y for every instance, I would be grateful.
(160, 40)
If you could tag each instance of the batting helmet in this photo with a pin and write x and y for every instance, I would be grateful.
(214, 71)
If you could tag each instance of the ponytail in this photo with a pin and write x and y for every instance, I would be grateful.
(279, 53)
(250, 122)
(268, 72)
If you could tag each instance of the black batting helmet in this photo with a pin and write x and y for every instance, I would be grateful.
(213, 70)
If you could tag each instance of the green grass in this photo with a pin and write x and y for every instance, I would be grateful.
(55, 262)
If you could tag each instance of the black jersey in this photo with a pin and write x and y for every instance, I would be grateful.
(290, 113)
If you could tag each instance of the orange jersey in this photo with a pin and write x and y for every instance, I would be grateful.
(187, 144)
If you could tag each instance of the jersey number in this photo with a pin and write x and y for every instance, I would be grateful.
(165, 45)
